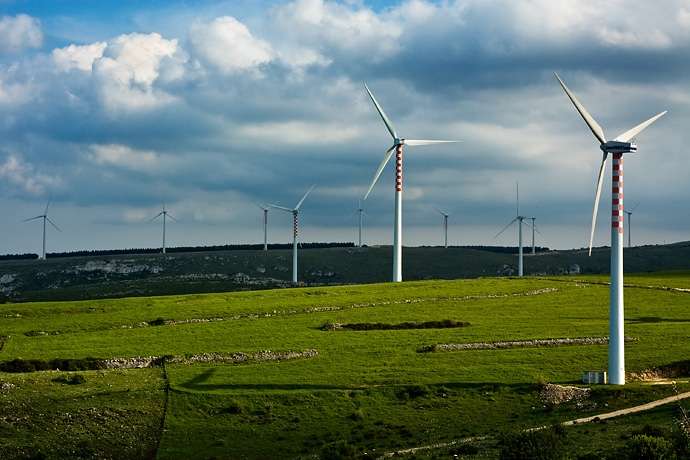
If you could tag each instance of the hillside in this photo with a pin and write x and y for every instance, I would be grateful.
(140, 275)
(337, 372)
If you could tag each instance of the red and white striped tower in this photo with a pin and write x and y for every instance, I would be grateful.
(616, 325)
(397, 233)
(294, 246)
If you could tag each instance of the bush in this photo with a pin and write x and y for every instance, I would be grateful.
(357, 415)
(234, 408)
(412, 392)
(547, 444)
(76, 379)
(443, 324)
(157, 322)
(340, 450)
(33, 365)
(644, 447)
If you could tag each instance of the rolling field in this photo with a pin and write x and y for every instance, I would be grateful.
(214, 391)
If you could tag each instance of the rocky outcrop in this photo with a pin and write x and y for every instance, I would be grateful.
(553, 395)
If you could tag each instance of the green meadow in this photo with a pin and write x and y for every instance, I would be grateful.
(365, 393)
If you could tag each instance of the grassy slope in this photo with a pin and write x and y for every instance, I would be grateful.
(357, 388)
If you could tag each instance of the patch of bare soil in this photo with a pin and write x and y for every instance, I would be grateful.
(667, 371)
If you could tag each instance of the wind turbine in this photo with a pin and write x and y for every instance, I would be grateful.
(397, 146)
(629, 213)
(518, 218)
(165, 215)
(265, 210)
(360, 212)
(45, 218)
(445, 227)
(295, 228)
(534, 229)
(622, 144)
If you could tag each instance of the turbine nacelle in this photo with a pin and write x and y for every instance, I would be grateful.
(618, 147)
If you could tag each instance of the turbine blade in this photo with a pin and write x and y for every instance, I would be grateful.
(282, 208)
(386, 157)
(385, 119)
(634, 207)
(156, 216)
(47, 206)
(440, 212)
(628, 135)
(600, 180)
(53, 224)
(171, 216)
(304, 197)
(505, 228)
(32, 218)
(414, 142)
(262, 206)
(591, 122)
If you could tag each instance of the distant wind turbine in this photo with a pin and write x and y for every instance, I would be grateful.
(265, 210)
(397, 146)
(445, 227)
(360, 214)
(295, 228)
(624, 143)
(518, 218)
(534, 229)
(629, 213)
(165, 215)
(45, 218)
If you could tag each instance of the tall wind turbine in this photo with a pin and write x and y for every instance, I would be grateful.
(445, 227)
(265, 210)
(295, 227)
(622, 144)
(629, 213)
(165, 215)
(518, 218)
(397, 146)
(45, 218)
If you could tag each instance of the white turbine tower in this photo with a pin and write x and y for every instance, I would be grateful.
(360, 215)
(622, 144)
(445, 227)
(518, 218)
(397, 146)
(45, 218)
(265, 210)
(165, 215)
(534, 229)
(295, 227)
(629, 213)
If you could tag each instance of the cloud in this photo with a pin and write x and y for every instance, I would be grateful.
(19, 32)
(123, 156)
(131, 66)
(78, 57)
(229, 46)
(23, 178)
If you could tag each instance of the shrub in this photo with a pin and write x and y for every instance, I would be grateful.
(547, 444)
(644, 447)
(412, 392)
(234, 408)
(157, 322)
(76, 379)
(357, 415)
(340, 450)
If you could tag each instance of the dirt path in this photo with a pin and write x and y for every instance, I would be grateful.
(593, 418)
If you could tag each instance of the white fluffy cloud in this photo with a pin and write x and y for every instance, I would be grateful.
(130, 67)
(229, 46)
(78, 57)
(19, 32)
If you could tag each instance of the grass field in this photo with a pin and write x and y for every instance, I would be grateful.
(366, 391)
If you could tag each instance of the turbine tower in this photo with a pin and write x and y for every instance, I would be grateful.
(360, 213)
(265, 210)
(165, 215)
(534, 229)
(629, 213)
(445, 227)
(397, 147)
(622, 144)
(518, 218)
(295, 227)
(45, 218)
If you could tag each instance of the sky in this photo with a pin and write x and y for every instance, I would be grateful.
(110, 109)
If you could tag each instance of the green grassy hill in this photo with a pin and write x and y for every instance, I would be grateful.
(132, 275)
(340, 393)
